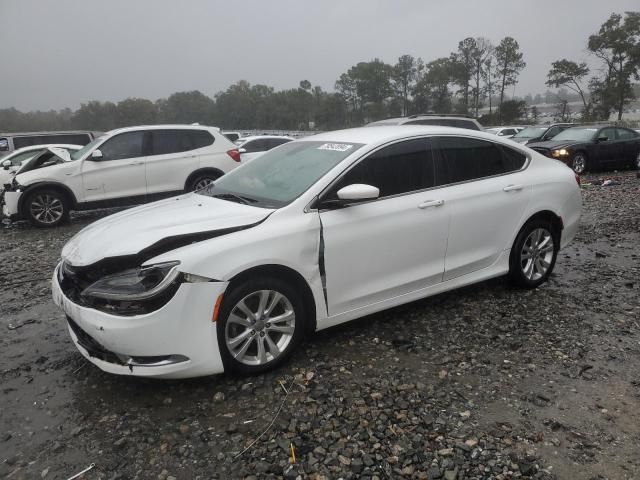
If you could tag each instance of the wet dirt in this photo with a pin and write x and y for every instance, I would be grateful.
(484, 382)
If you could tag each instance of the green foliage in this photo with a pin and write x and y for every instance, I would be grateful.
(509, 64)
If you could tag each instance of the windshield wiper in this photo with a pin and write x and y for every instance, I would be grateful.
(234, 197)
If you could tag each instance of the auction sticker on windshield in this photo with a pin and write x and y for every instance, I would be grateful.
(336, 147)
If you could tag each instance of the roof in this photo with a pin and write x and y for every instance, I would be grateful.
(53, 132)
(257, 137)
(177, 126)
(382, 134)
(434, 116)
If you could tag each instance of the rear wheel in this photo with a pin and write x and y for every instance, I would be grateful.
(261, 322)
(202, 181)
(46, 208)
(579, 162)
(533, 254)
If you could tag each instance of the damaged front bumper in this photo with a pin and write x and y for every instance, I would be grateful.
(10, 204)
(177, 341)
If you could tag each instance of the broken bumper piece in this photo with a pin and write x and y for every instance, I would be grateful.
(161, 344)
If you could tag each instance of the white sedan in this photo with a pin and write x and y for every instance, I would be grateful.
(12, 162)
(252, 147)
(317, 232)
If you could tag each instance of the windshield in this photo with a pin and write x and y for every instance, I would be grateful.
(80, 153)
(582, 134)
(18, 158)
(281, 175)
(531, 132)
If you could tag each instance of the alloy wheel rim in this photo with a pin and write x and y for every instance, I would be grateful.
(202, 183)
(537, 254)
(578, 163)
(260, 327)
(47, 208)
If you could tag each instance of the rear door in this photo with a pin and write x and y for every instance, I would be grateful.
(486, 195)
(120, 173)
(173, 155)
(610, 151)
(631, 146)
(380, 249)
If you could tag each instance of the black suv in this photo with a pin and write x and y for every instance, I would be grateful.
(540, 133)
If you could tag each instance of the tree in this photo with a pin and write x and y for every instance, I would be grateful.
(509, 64)
(535, 114)
(187, 107)
(563, 111)
(432, 90)
(136, 111)
(404, 75)
(512, 110)
(463, 63)
(617, 44)
(565, 73)
(483, 51)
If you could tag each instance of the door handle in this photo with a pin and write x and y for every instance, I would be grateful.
(512, 188)
(431, 203)
(136, 163)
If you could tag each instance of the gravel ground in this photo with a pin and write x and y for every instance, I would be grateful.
(484, 382)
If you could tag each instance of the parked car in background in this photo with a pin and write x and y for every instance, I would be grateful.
(506, 132)
(251, 148)
(311, 234)
(123, 167)
(594, 147)
(231, 136)
(14, 141)
(443, 120)
(12, 162)
(540, 133)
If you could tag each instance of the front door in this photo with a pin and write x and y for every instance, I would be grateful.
(120, 172)
(380, 249)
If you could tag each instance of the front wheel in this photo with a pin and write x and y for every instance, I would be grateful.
(533, 254)
(579, 163)
(261, 322)
(202, 181)
(46, 208)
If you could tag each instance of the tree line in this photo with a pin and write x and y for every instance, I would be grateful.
(477, 75)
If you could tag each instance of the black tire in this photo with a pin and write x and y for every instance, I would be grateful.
(580, 163)
(46, 208)
(518, 262)
(245, 291)
(200, 180)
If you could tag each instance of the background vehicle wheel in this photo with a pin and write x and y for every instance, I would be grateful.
(579, 162)
(533, 254)
(201, 181)
(46, 208)
(261, 322)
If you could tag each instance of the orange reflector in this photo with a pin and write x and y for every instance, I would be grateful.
(216, 309)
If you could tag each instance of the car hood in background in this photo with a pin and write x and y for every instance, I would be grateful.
(552, 145)
(160, 227)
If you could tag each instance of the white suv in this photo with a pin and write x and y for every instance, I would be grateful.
(123, 167)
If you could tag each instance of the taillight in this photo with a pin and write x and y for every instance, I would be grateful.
(234, 154)
(577, 179)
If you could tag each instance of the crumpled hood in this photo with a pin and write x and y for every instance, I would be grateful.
(132, 231)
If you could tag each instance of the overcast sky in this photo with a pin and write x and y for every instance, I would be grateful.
(55, 54)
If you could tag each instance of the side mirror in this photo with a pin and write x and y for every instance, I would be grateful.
(242, 150)
(358, 192)
(602, 138)
(96, 155)
(6, 164)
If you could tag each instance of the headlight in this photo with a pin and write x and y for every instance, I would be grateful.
(140, 283)
(559, 153)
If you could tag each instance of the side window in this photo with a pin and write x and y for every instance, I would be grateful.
(274, 142)
(552, 132)
(200, 138)
(463, 159)
(400, 168)
(4, 145)
(468, 125)
(169, 141)
(513, 160)
(123, 146)
(74, 139)
(624, 134)
(610, 133)
(259, 145)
